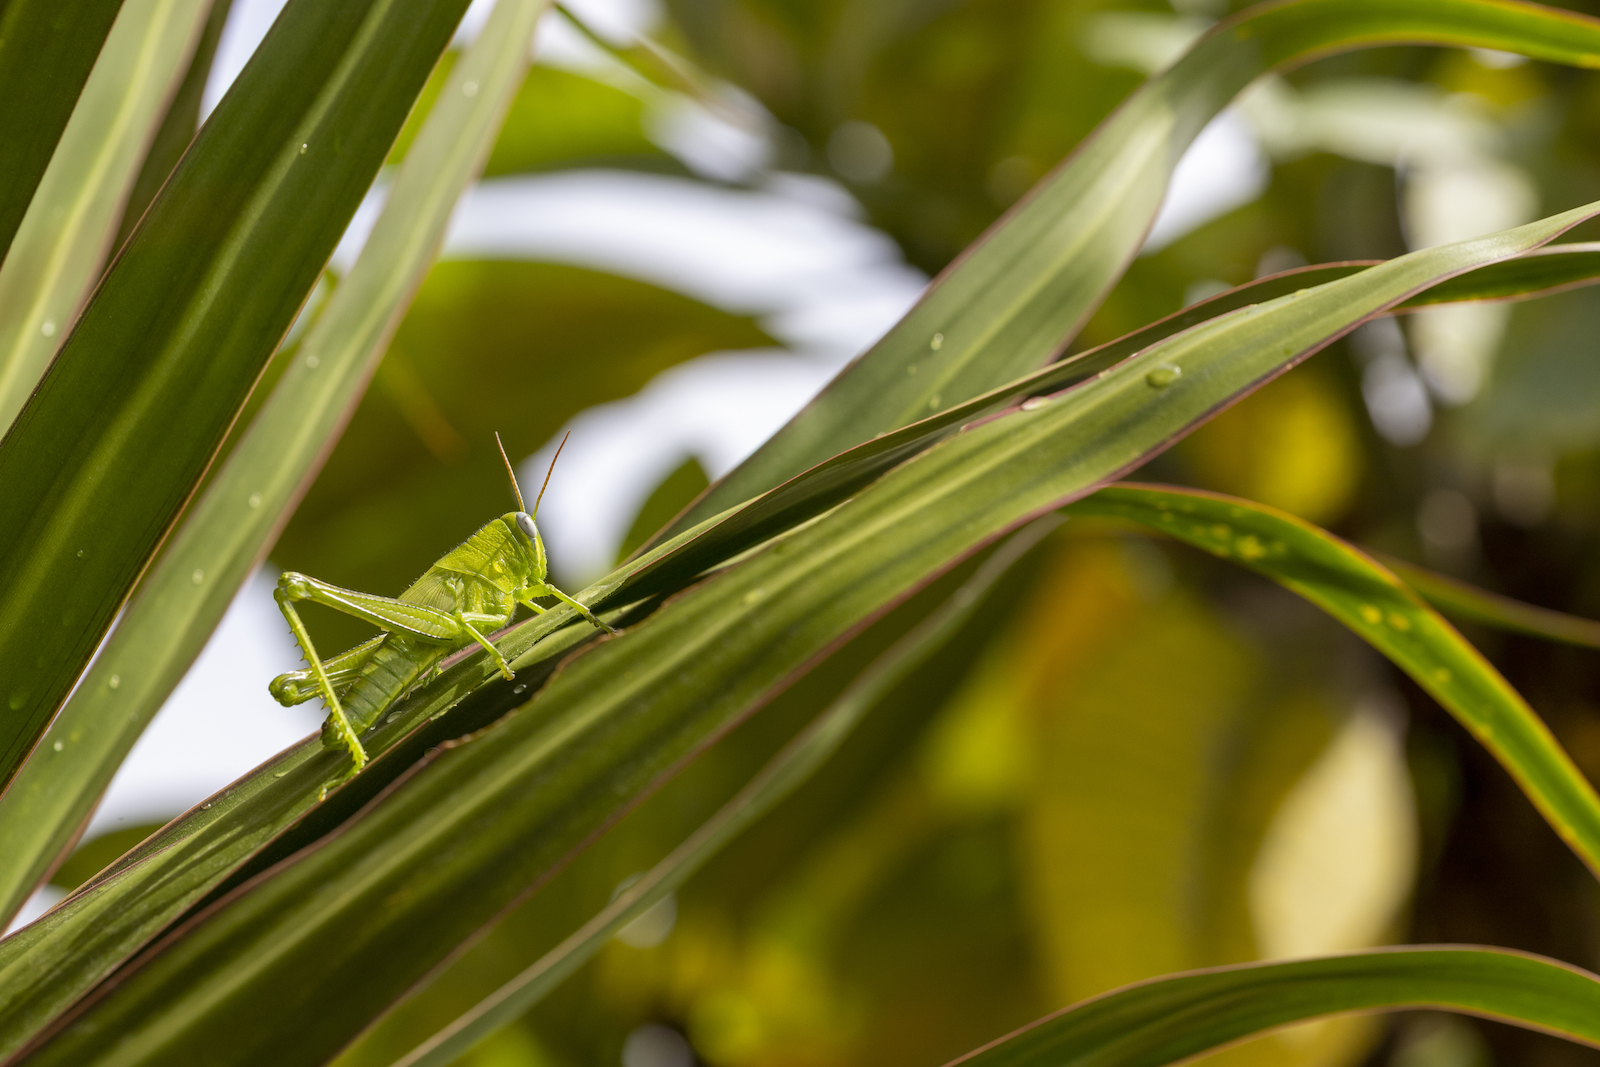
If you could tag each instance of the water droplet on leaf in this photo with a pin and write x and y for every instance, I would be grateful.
(1163, 376)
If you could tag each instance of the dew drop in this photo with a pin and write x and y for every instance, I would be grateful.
(58, 746)
(18, 698)
(933, 402)
(205, 807)
(1371, 614)
(80, 553)
(48, 329)
(1163, 376)
(469, 89)
(937, 342)
(519, 689)
(1399, 622)
(312, 361)
(280, 774)
(1301, 292)
(304, 148)
(754, 595)
(255, 500)
(114, 681)
(198, 576)
(1034, 403)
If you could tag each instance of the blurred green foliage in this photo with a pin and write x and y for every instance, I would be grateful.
(1039, 818)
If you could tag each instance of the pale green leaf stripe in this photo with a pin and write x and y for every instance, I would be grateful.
(1464, 601)
(229, 529)
(1364, 595)
(1168, 1019)
(398, 889)
(67, 231)
(1018, 294)
(797, 761)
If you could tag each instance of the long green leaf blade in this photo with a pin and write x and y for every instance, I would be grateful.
(1364, 595)
(1559, 267)
(329, 940)
(1019, 293)
(797, 761)
(1168, 1019)
(108, 449)
(229, 528)
(66, 234)
(47, 49)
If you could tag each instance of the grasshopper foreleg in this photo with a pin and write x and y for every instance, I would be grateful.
(574, 605)
(494, 653)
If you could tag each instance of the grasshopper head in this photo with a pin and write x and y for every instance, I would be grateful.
(535, 544)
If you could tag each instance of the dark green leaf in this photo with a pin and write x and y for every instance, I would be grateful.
(103, 457)
(179, 126)
(46, 52)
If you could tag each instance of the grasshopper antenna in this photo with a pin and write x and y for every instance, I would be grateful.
(512, 471)
(548, 473)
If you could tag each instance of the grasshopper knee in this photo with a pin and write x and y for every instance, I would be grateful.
(292, 585)
(292, 688)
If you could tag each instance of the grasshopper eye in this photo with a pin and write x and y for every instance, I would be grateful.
(525, 524)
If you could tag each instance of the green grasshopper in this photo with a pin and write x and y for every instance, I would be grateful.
(473, 590)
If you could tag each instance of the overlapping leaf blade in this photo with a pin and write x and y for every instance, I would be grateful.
(230, 526)
(66, 235)
(329, 940)
(108, 449)
(1364, 595)
(1019, 293)
(46, 52)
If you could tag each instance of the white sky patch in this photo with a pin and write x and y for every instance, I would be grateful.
(717, 408)
(248, 22)
(1223, 169)
(834, 281)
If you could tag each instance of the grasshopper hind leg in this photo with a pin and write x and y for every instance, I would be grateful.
(289, 590)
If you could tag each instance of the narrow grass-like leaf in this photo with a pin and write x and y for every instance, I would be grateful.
(230, 527)
(1019, 293)
(1552, 269)
(1165, 1020)
(106, 452)
(798, 760)
(178, 127)
(1364, 595)
(65, 236)
(47, 50)
(301, 958)
(1464, 601)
